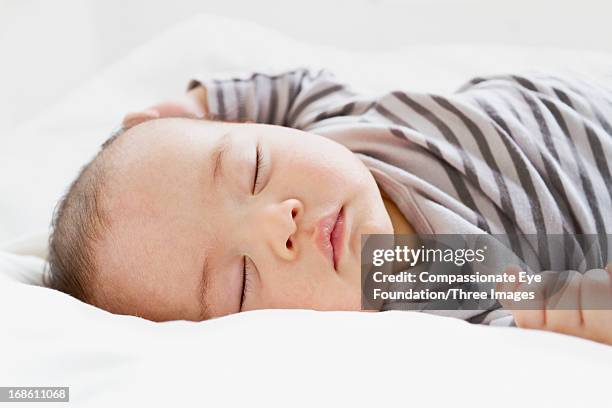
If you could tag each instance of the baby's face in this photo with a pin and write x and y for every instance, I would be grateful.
(186, 214)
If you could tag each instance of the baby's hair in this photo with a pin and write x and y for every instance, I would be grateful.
(78, 221)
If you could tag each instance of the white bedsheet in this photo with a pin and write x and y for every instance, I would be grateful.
(272, 358)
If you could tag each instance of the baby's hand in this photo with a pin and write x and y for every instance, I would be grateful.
(582, 307)
(193, 104)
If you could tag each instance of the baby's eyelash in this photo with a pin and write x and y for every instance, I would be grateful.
(258, 163)
(245, 281)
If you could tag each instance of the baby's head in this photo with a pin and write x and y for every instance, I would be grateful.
(192, 219)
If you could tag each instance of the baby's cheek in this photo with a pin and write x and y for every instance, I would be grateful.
(284, 299)
(298, 291)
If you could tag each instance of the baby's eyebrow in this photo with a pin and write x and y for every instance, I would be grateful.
(216, 156)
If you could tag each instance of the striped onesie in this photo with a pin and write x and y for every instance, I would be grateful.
(504, 154)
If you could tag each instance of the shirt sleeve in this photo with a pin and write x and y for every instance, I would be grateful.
(296, 98)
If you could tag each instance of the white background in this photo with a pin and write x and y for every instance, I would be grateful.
(49, 47)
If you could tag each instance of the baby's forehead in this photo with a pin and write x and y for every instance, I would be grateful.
(155, 137)
(158, 147)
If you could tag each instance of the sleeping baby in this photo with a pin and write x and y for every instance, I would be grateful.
(253, 192)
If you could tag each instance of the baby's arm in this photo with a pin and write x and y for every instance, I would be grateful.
(296, 98)
(582, 308)
(291, 98)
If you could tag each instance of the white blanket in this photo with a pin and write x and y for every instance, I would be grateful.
(272, 358)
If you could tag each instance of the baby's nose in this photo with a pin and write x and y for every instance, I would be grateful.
(281, 226)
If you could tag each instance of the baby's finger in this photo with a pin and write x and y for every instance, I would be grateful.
(596, 290)
(511, 270)
(596, 295)
(563, 305)
(527, 313)
(183, 107)
(134, 118)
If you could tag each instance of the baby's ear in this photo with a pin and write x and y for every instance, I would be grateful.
(135, 118)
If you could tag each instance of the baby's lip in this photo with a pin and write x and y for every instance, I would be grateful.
(323, 233)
